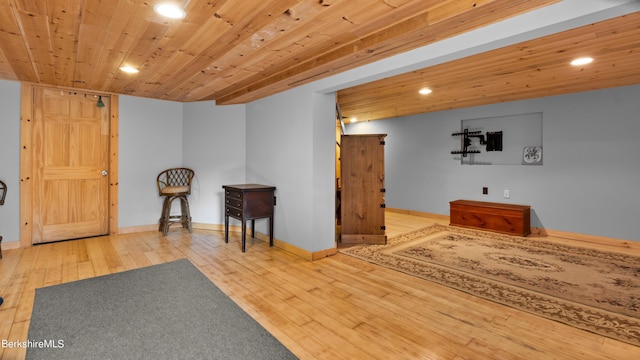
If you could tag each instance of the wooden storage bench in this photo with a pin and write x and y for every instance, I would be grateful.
(504, 218)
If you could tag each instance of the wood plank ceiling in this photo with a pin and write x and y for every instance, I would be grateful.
(532, 69)
(227, 50)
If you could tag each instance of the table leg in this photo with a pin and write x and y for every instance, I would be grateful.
(270, 230)
(244, 235)
(226, 228)
(253, 228)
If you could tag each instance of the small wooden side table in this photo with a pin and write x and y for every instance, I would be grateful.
(248, 202)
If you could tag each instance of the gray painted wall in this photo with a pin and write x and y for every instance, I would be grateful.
(10, 159)
(156, 135)
(214, 142)
(150, 140)
(291, 144)
(297, 156)
(588, 183)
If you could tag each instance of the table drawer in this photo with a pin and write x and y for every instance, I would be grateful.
(233, 202)
(231, 194)
(233, 212)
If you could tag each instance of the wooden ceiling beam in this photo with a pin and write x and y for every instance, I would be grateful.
(278, 43)
(340, 26)
(388, 41)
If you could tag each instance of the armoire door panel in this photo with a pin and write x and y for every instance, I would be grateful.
(362, 195)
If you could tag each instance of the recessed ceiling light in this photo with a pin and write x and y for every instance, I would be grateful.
(425, 91)
(129, 69)
(169, 10)
(353, 119)
(581, 61)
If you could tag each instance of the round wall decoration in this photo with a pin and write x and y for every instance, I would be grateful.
(532, 155)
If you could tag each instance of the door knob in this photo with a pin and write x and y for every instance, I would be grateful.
(104, 172)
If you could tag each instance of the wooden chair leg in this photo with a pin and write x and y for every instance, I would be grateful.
(167, 219)
(183, 217)
(167, 215)
(186, 213)
(164, 215)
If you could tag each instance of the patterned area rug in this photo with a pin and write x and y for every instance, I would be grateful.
(589, 289)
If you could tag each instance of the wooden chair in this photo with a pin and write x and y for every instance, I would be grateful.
(175, 184)
(3, 192)
(3, 195)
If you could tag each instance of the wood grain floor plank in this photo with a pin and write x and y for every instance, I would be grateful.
(338, 307)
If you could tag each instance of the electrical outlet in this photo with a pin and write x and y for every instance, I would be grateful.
(507, 194)
(485, 190)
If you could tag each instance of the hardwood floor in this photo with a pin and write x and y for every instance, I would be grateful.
(335, 308)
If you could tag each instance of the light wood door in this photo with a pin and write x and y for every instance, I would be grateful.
(362, 197)
(70, 165)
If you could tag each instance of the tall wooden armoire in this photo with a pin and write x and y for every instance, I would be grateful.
(362, 192)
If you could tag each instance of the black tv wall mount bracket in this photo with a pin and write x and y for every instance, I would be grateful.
(492, 142)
